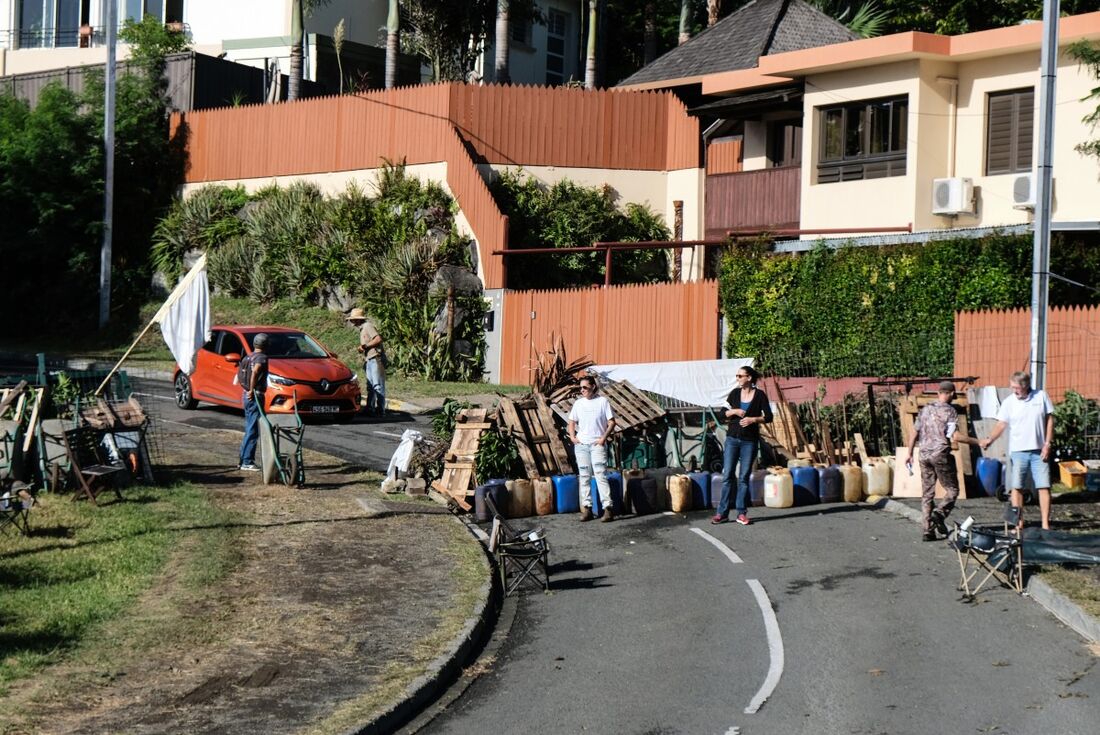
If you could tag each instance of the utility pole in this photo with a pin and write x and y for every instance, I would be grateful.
(109, 8)
(1040, 276)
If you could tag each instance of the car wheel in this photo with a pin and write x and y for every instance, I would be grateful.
(184, 399)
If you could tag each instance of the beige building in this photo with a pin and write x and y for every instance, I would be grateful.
(912, 129)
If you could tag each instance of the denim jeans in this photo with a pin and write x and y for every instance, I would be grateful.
(1029, 464)
(376, 386)
(740, 454)
(592, 461)
(251, 429)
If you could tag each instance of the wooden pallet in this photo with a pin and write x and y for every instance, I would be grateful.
(531, 424)
(458, 462)
(632, 408)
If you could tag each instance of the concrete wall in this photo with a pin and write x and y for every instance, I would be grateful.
(902, 199)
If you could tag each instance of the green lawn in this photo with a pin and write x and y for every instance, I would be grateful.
(61, 587)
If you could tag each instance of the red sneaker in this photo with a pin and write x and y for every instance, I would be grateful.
(719, 519)
(743, 519)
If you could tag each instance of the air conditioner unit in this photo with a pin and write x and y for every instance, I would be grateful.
(1023, 191)
(952, 196)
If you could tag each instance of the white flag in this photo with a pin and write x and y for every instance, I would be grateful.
(185, 317)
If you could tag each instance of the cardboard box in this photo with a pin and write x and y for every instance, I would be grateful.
(1072, 474)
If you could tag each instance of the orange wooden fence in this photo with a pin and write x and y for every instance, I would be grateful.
(994, 344)
(611, 325)
(531, 126)
(724, 156)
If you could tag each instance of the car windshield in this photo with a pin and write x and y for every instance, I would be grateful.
(290, 345)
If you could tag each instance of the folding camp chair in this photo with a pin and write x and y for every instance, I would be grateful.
(16, 501)
(89, 470)
(998, 552)
(522, 556)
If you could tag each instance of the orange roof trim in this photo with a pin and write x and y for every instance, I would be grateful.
(897, 47)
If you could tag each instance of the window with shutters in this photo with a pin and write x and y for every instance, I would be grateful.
(863, 140)
(1009, 123)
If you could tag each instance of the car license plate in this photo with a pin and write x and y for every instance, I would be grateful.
(326, 409)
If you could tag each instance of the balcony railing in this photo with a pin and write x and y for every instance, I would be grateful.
(768, 198)
(85, 36)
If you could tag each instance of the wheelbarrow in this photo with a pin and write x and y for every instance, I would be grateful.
(281, 438)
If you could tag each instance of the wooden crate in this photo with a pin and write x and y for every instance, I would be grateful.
(1072, 474)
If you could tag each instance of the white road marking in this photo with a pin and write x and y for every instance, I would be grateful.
(775, 647)
(729, 553)
(387, 433)
(771, 626)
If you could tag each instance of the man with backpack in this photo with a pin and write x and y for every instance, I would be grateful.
(252, 375)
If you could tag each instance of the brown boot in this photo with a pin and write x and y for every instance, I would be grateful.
(607, 516)
(586, 514)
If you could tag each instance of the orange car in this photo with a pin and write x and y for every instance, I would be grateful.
(301, 373)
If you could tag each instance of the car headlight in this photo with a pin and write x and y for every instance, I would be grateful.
(279, 379)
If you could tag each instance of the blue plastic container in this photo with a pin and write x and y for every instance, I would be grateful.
(615, 480)
(566, 493)
(700, 489)
(805, 485)
(830, 484)
(990, 472)
(715, 489)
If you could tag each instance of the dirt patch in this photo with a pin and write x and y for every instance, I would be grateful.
(324, 599)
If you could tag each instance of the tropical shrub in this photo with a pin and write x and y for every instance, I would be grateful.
(568, 214)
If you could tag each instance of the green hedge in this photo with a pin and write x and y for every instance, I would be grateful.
(881, 310)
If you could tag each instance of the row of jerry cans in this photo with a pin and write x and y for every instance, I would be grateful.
(675, 489)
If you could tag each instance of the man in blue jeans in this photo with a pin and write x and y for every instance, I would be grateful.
(1029, 417)
(255, 384)
(374, 361)
(590, 423)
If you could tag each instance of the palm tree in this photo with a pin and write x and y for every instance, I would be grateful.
(650, 32)
(393, 43)
(298, 11)
(501, 44)
(685, 21)
(590, 61)
(714, 7)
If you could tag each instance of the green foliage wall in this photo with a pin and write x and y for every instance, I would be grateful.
(880, 311)
(567, 215)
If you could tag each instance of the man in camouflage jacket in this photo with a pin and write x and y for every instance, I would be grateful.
(936, 427)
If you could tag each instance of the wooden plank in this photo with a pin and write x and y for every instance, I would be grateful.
(909, 486)
(33, 422)
(550, 430)
(860, 447)
(511, 420)
(10, 395)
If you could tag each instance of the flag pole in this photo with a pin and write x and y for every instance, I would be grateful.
(173, 297)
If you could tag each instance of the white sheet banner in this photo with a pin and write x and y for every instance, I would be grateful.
(699, 382)
(185, 317)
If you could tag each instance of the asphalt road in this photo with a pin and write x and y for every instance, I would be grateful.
(366, 442)
(835, 619)
(651, 628)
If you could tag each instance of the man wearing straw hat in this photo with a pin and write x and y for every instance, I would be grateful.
(374, 361)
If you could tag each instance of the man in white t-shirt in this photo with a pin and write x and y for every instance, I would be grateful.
(590, 423)
(1029, 416)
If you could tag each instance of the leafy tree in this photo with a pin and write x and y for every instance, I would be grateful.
(1089, 56)
(568, 214)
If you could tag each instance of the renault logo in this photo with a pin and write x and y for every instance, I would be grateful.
(324, 385)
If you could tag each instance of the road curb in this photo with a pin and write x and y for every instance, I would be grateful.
(396, 404)
(1066, 610)
(446, 668)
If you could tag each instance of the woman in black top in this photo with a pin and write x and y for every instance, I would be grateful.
(748, 408)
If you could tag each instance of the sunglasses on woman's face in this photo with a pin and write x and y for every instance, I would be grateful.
(586, 387)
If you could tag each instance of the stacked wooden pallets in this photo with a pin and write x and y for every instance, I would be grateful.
(458, 462)
(632, 408)
(540, 446)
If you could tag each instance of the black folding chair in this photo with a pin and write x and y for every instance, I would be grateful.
(998, 552)
(522, 556)
(16, 501)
